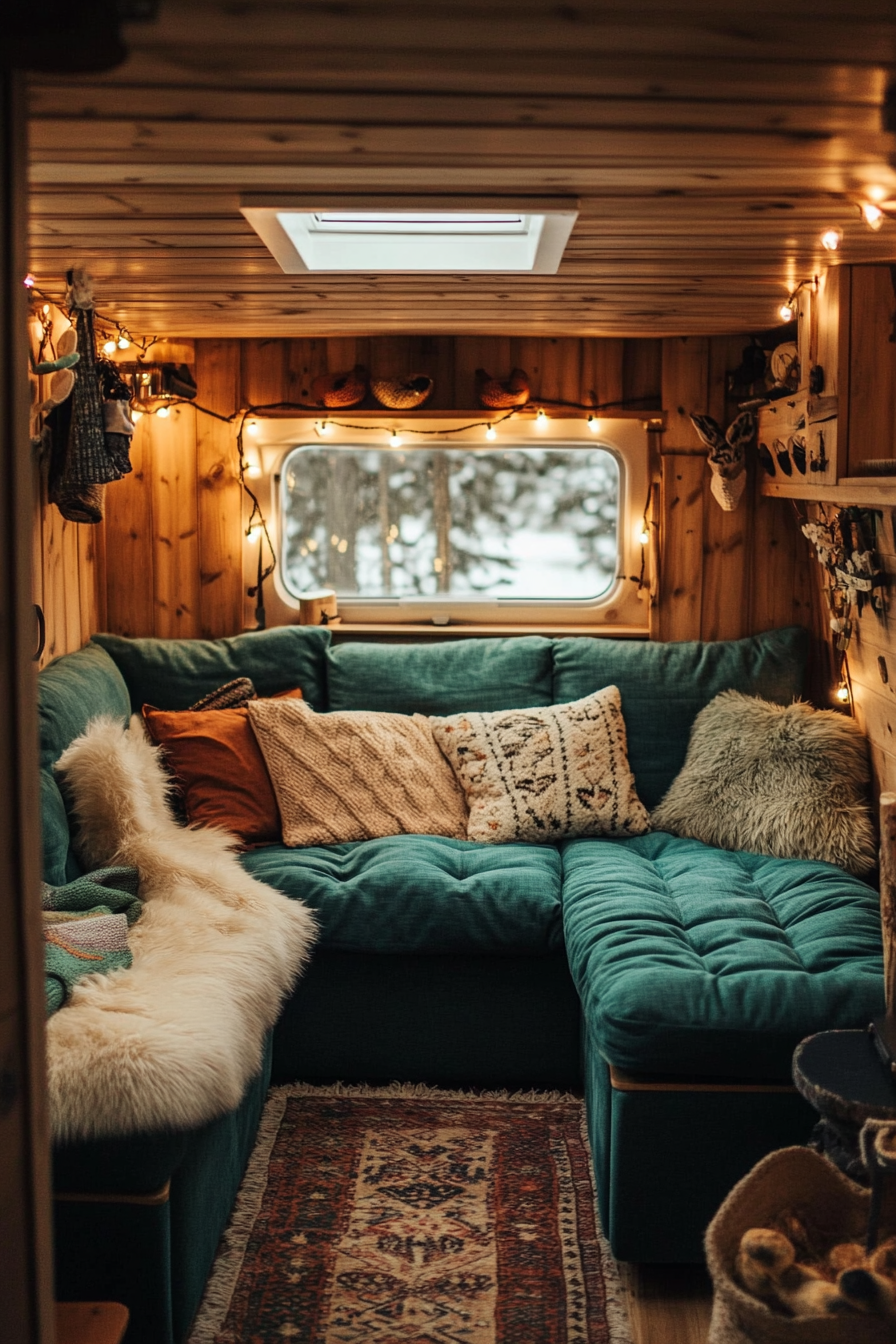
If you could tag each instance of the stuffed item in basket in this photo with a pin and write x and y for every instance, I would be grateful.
(845, 1280)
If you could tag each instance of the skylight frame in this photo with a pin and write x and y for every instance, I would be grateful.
(287, 226)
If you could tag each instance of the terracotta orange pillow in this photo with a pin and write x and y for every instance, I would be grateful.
(215, 759)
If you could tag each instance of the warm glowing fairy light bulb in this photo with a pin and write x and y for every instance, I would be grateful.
(253, 533)
(877, 192)
(109, 348)
(644, 535)
(252, 427)
(541, 417)
(491, 433)
(843, 693)
(831, 239)
(786, 311)
(593, 424)
(163, 412)
(872, 215)
(45, 310)
(395, 439)
(325, 427)
(123, 342)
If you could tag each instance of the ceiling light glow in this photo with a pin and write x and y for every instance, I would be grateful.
(831, 239)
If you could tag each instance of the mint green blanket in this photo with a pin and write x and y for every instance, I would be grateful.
(85, 929)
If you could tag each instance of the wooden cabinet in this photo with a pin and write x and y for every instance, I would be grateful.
(824, 443)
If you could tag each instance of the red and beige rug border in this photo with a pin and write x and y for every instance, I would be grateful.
(231, 1253)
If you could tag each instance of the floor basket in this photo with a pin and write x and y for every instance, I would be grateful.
(798, 1179)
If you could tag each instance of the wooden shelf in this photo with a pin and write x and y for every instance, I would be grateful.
(875, 491)
(458, 629)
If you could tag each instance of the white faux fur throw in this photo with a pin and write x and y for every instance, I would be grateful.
(173, 1041)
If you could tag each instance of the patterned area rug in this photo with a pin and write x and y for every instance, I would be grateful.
(411, 1216)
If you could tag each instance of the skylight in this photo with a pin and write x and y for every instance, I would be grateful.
(403, 240)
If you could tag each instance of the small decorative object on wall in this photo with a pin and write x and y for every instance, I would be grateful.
(844, 545)
(402, 394)
(501, 396)
(335, 390)
(726, 456)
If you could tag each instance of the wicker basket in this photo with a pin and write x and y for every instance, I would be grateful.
(502, 396)
(402, 394)
(799, 1179)
(335, 390)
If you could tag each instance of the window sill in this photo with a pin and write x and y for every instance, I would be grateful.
(462, 629)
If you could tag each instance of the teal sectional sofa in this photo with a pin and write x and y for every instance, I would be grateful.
(669, 980)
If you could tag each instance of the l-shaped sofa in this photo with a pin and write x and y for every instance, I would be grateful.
(669, 980)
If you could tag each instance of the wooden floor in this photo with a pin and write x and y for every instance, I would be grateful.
(668, 1304)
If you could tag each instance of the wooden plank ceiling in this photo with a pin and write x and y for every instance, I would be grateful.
(709, 142)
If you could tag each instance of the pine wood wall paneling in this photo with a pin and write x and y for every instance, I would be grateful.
(263, 371)
(681, 556)
(642, 371)
(306, 358)
(219, 494)
(175, 526)
(727, 537)
(130, 601)
(602, 371)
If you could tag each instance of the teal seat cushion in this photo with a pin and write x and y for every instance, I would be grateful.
(477, 674)
(664, 687)
(421, 893)
(71, 691)
(175, 673)
(693, 960)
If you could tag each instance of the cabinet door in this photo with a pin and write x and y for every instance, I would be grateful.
(872, 370)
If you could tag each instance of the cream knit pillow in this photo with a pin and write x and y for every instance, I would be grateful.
(355, 775)
(547, 773)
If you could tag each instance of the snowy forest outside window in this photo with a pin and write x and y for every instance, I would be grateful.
(516, 522)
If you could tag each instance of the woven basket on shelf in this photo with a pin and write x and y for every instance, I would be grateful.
(338, 390)
(502, 396)
(402, 394)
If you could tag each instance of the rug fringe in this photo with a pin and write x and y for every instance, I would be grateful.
(616, 1309)
(422, 1090)
(232, 1251)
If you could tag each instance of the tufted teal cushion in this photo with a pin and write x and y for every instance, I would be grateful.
(697, 960)
(474, 674)
(71, 691)
(175, 673)
(664, 687)
(419, 893)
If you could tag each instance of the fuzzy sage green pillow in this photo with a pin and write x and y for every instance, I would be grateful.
(786, 780)
(547, 773)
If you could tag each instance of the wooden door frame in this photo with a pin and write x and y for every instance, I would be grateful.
(26, 1267)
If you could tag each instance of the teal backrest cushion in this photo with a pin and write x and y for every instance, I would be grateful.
(70, 692)
(476, 674)
(664, 687)
(175, 673)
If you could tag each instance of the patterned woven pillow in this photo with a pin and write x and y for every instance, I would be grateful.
(355, 775)
(545, 774)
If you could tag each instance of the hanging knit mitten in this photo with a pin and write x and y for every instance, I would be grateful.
(87, 463)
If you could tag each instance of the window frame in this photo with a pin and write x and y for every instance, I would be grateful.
(625, 437)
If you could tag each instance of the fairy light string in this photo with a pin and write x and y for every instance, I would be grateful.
(257, 525)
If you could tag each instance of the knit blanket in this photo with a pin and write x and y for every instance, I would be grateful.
(172, 1041)
(86, 929)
